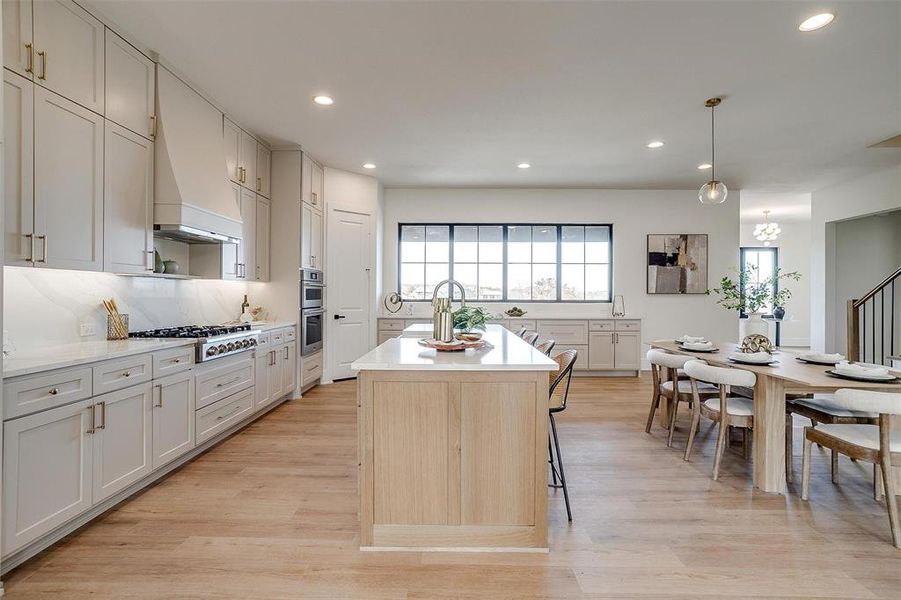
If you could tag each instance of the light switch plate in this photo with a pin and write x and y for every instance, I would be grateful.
(87, 329)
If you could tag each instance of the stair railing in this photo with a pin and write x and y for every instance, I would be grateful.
(872, 323)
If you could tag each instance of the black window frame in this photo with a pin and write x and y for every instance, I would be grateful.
(774, 250)
(505, 264)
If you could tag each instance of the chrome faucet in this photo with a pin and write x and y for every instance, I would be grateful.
(443, 316)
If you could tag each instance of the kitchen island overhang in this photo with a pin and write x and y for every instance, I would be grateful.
(452, 446)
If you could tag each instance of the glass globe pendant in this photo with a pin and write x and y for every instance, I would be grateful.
(714, 191)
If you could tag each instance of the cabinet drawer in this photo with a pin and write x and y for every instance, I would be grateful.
(117, 374)
(630, 325)
(263, 340)
(34, 393)
(581, 358)
(276, 337)
(172, 361)
(312, 369)
(564, 332)
(223, 414)
(290, 334)
(227, 376)
(391, 324)
(601, 325)
(384, 336)
(515, 325)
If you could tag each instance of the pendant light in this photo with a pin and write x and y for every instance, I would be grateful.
(712, 192)
(767, 232)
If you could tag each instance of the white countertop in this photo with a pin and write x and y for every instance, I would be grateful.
(270, 325)
(510, 353)
(69, 355)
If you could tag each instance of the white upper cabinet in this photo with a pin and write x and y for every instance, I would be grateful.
(264, 158)
(18, 173)
(247, 160)
(127, 202)
(306, 234)
(68, 188)
(68, 44)
(264, 211)
(18, 43)
(232, 140)
(130, 81)
(230, 268)
(247, 247)
(310, 182)
(316, 186)
(316, 241)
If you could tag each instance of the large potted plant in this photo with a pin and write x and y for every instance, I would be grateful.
(750, 298)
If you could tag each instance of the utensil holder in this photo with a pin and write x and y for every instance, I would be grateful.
(117, 327)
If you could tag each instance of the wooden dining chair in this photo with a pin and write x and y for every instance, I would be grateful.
(530, 337)
(876, 444)
(820, 408)
(665, 369)
(727, 410)
(558, 394)
(545, 347)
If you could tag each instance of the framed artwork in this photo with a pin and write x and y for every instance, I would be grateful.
(677, 263)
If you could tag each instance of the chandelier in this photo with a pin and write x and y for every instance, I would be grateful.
(767, 232)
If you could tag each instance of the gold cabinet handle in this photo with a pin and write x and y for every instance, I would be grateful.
(314, 196)
(43, 258)
(159, 389)
(92, 428)
(259, 184)
(30, 257)
(43, 55)
(30, 65)
(53, 391)
(149, 259)
(153, 126)
(102, 416)
(126, 374)
(228, 414)
(286, 353)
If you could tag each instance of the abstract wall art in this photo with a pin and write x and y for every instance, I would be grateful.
(677, 263)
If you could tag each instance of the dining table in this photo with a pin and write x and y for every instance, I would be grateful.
(787, 375)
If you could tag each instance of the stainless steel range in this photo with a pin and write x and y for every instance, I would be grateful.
(211, 341)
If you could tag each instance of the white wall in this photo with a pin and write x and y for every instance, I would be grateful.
(866, 250)
(874, 193)
(44, 307)
(794, 255)
(633, 213)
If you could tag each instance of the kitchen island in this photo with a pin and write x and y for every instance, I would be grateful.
(453, 445)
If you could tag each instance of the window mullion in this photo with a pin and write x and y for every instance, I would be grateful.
(559, 262)
(504, 259)
(450, 257)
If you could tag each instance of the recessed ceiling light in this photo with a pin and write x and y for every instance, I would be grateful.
(704, 166)
(523, 165)
(323, 100)
(816, 22)
(655, 144)
(368, 166)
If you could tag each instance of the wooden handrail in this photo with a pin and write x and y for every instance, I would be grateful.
(859, 302)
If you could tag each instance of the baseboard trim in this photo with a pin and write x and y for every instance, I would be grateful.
(39, 545)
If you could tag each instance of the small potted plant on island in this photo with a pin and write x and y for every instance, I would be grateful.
(470, 321)
(750, 298)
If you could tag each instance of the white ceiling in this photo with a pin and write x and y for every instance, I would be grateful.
(794, 206)
(458, 93)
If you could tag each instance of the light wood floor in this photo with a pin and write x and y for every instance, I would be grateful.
(271, 513)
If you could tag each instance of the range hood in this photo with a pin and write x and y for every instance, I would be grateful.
(193, 201)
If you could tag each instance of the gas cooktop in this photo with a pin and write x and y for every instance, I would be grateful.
(211, 341)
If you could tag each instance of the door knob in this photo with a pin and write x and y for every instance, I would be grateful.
(340, 317)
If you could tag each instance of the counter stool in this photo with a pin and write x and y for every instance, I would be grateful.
(559, 393)
(530, 337)
(728, 411)
(672, 363)
(545, 347)
(876, 444)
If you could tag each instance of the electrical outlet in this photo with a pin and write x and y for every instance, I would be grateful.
(87, 329)
(409, 308)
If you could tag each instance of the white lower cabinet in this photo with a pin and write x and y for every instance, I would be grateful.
(289, 368)
(123, 439)
(628, 351)
(274, 373)
(601, 350)
(262, 392)
(173, 417)
(47, 471)
(221, 415)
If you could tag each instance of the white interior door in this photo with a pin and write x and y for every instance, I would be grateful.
(349, 286)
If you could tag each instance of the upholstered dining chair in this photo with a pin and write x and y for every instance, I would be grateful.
(668, 365)
(559, 393)
(727, 410)
(530, 337)
(876, 444)
(821, 408)
(545, 346)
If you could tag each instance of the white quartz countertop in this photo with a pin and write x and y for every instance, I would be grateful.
(69, 355)
(270, 325)
(510, 353)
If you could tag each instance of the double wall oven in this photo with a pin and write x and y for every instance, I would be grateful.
(312, 311)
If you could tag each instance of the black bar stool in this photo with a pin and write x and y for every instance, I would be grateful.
(566, 360)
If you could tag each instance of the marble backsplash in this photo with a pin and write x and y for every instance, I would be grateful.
(46, 307)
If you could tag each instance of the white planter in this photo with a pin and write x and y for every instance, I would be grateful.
(754, 324)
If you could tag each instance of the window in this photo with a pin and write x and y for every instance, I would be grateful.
(763, 262)
(538, 263)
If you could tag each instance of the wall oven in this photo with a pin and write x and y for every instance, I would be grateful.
(312, 327)
(312, 289)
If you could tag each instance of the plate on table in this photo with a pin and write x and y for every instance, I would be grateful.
(738, 359)
(703, 350)
(825, 363)
(872, 379)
